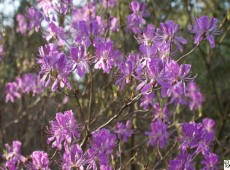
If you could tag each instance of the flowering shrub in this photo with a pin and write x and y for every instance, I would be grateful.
(147, 87)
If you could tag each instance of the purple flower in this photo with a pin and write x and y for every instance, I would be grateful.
(27, 84)
(86, 13)
(160, 112)
(46, 6)
(155, 73)
(35, 18)
(105, 167)
(1, 52)
(124, 131)
(208, 125)
(63, 6)
(148, 35)
(22, 24)
(73, 157)
(176, 75)
(164, 51)
(63, 129)
(13, 156)
(54, 66)
(147, 100)
(57, 32)
(195, 97)
(91, 160)
(175, 164)
(101, 147)
(158, 136)
(183, 161)
(113, 24)
(204, 28)
(105, 56)
(192, 133)
(177, 94)
(148, 51)
(135, 20)
(12, 92)
(40, 160)
(167, 34)
(79, 57)
(210, 162)
(127, 69)
(86, 33)
(196, 136)
(31, 83)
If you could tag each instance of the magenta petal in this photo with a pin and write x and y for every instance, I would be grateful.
(146, 88)
(55, 85)
(182, 40)
(211, 40)
(141, 85)
(164, 92)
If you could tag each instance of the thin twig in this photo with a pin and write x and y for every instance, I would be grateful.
(165, 155)
(131, 159)
(188, 53)
(136, 146)
(221, 112)
(120, 111)
(88, 134)
(79, 106)
(224, 35)
(90, 98)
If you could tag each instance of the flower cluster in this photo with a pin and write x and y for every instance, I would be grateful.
(63, 129)
(124, 131)
(158, 136)
(54, 66)
(203, 29)
(101, 148)
(22, 24)
(73, 157)
(35, 18)
(135, 21)
(198, 137)
(194, 95)
(87, 46)
(210, 162)
(65, 132)
(153, 68)
(40, 160)
(12, 155)
(15, 160)
(28, 83)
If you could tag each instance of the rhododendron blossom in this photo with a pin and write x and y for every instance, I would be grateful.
(63, 129)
